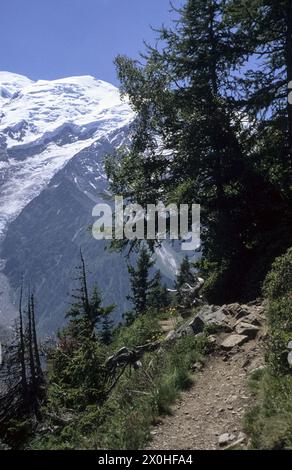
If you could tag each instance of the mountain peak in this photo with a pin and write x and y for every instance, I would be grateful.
(9, 77)
(32, 111)
(43, 125)
(11, 83)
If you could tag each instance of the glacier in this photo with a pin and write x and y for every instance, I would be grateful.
(33, 115)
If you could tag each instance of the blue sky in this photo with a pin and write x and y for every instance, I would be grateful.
(48, 39)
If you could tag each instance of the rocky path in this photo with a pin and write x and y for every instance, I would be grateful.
(210, 414)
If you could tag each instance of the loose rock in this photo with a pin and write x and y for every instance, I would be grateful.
(247, 329)
(225, 439)
(233, 340)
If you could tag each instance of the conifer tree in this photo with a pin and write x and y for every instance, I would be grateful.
(201, 136)
(182, 96)
(106, 333)
(78, 373)
(140, 282)
(38, 367)
(22, 353)
(158, 296)
(185, 275)
(87, 311)
(30, 346)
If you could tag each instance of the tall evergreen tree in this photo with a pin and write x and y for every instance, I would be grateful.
(140, 282)
(30, 346)
(106, 334)
(264, 28)
(24, 384)
(38, 367)
(87, 311)
(158, 296)
(185, 274)
(181, 96)
(78, 372)
(193, 139)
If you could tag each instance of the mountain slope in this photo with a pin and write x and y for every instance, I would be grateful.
(53, 138)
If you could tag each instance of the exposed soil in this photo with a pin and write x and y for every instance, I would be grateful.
(214, 405)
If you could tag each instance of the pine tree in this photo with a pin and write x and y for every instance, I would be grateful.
(87, 311)
(38, 367)
(158, 296)
(30, 346)
(24, 384)
(185, 275)
(78, 372)
(140, 282)
(264, 28)
(195, 139)
(182, 96)
(106, 334)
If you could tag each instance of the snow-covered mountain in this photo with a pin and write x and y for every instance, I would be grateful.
(53, 137)
(43, 125)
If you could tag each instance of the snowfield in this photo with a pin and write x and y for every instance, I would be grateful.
(34, 111)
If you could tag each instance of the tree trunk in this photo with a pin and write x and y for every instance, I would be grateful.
(33, 400)
(35, 343)
(22, 353)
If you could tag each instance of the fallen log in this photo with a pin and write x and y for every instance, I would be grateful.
(126, 356)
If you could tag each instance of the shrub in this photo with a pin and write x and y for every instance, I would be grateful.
(269, 422)
(124, 420)
(278, 291)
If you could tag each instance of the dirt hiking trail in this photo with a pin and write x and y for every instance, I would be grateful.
(210, 414)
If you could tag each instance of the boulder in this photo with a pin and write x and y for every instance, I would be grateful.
(236, 310)
(197, 324)
(233, 340)
(197, 367)
(247, 329)
(184, 330)
(253, 319)
(215, 316)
